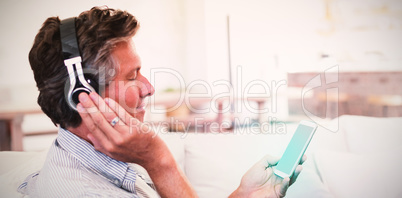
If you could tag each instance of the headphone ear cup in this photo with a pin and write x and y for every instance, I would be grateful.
(92, 82)
(81, 88)
(77, 92)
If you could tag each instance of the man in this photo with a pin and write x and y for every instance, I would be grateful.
(104, 149)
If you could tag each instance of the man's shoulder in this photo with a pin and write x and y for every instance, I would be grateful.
(60, 162)
(60, 175)
(78, 183)
(65, 176)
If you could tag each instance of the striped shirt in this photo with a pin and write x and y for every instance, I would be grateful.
(74, 168)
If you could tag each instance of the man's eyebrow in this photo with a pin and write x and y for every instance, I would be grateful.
(131, 71)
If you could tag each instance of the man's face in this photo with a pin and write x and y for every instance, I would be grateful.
(129, 88)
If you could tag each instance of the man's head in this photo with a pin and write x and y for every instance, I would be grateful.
(102, 34)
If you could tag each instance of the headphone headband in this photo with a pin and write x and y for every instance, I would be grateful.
(69, 38)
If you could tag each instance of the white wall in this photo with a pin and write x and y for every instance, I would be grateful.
(288, 35)
(268, 38)
(159, 41)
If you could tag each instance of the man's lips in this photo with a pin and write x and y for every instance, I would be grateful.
(142, 105)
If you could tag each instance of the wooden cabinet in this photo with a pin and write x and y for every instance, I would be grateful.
(355, 96)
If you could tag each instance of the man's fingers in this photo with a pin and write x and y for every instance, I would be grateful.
(119, 110)
(284, 187)
(98, 122)
(269, 161)
(303, 159)
(87, 119)
(299, 168)
(133, 123)
(106, 111)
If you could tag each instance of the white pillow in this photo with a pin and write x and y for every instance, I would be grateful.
(175, 143)
(12, 159)
(325, 139)
(369, 134)
(352, 175)
(11, 178)
(309, 184)
(215, 163)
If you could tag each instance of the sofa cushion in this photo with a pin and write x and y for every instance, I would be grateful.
(215, 163)
(175, 143)
(309, 183)
(369, 175)
(328, 139)
(370, 134)
(19, 165)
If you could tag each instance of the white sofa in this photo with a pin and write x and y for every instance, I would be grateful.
(361, 159)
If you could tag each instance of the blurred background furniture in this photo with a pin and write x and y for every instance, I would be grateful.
(17, 125)
(385, 102)
(183, 113)
(20, 119)
(359, 93)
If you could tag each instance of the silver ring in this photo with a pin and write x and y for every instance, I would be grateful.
(114, 121)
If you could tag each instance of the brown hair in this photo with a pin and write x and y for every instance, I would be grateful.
(98, 32)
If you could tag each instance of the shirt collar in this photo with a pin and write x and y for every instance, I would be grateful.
(113, 170)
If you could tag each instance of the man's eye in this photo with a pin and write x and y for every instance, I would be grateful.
(134, 76)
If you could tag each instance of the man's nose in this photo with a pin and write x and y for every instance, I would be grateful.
(146, 89)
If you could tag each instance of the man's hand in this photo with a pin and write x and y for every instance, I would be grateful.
(130, 140)
(260, 180)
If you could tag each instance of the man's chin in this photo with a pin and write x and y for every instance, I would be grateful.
(138, 115)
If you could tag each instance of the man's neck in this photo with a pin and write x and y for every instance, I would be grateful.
(80, 131)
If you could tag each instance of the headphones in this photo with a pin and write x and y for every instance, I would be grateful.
(72, 60)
